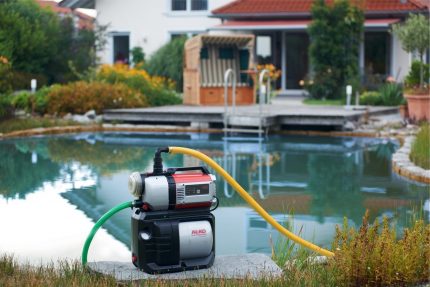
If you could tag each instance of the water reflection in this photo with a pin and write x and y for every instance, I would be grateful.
(319, 180)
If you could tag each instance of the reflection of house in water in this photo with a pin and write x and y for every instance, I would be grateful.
(320, 180)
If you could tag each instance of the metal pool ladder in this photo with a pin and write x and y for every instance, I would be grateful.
(264, 94)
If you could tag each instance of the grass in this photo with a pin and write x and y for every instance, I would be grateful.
(318, 102)
(369, 256)
(16, 124)
(420, 151)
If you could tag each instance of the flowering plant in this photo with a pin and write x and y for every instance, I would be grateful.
(5, 75)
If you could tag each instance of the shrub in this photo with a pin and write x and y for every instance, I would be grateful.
(80, 97)
(413, 78)
(391, 94)
(420, 152)
(373, 256)
(370, 99)
(5, 75)
(158, 90)
(168, 62)
(5, 106)
(34, 103)
(21, 80)
(335, 32)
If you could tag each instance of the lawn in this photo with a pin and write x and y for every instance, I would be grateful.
(317, 102)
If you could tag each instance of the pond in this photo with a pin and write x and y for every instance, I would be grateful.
(53, 189)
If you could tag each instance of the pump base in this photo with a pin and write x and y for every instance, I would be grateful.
(156, 246)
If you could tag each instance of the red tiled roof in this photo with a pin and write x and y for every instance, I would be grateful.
(255, 7)
(84, 21)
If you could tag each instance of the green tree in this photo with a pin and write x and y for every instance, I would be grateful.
(334, 50)
(415, 36)
(38, 42)
(168, 61)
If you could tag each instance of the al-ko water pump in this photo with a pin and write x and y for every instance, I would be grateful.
(173, 228)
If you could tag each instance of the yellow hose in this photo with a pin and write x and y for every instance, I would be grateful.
(251, 201)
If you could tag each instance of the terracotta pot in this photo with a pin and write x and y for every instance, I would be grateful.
(419, 107)
(403, 109)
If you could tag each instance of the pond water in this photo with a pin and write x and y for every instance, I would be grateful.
(53, 189)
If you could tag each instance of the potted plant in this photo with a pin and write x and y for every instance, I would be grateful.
(414, 36)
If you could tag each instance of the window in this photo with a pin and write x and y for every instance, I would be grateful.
(174, 36)
(264, 49)
(121, 48)
(226, 53)
(199, 5)
(188, 5)
(204, 54)
(179, 5)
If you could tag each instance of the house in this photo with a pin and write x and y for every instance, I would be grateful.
(80, 19)
(281, 37)
(147, 24)
(280, 28)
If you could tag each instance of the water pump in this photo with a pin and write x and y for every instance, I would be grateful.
(172, 226)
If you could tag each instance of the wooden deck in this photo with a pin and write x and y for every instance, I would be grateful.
(272, 116)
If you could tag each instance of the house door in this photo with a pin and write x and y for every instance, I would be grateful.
(297, 59)
(121, 49)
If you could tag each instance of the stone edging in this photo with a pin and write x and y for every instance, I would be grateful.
(403, 166)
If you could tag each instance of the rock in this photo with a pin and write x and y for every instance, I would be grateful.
(81, 119)
(68, 117)
(91, 114)
(252, 266)
(99, 119)
(348, 126)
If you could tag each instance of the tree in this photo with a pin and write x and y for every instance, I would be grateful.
(168, 61)
(39, 43)
(415, 36)
(335, 35)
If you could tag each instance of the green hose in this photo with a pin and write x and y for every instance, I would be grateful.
(98, 224)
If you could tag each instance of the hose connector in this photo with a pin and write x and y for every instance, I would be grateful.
(158, 160)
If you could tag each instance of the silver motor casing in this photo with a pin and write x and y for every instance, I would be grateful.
(195, 239)
(156, 192)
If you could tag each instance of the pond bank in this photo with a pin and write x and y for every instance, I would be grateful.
(400, 162)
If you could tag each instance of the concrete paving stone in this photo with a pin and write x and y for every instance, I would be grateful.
(252, 266)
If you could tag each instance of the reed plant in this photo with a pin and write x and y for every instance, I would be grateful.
(420, 151)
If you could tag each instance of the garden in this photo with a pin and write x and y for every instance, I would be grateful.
(67, 70)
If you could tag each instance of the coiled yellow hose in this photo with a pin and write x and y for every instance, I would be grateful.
(251, 201)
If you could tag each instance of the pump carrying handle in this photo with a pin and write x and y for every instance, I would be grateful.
(173, 170)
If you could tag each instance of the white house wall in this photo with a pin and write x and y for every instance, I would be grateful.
(401, 60)
(150, 23)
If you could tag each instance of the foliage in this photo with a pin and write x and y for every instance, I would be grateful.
(371, 99)
(420, 151)
(391, 94)
(137, 56)
(334, 50)
(168, 62)
(5, 75)
(39, 42)
(5, 106)
(21, 80)
(413, 78)
(158, 90)
(34, 103)
(80, 97)
(415, 36)
(373, 256)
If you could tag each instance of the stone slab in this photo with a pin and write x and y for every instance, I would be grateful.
(251, 266)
